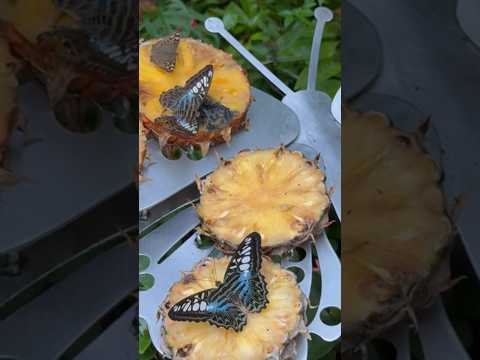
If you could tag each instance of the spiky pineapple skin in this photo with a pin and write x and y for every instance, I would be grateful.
(269, 334)
(230, 87)
(275, 192)
(397, 233)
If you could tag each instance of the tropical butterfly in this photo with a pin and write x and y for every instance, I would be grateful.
(74, 46)
(185, 101)
(164, 52)
(112, 26)
(214, 115)
(243, 290)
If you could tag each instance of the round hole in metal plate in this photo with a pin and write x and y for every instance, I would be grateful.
(125, 124)
(319, 348)
(203, 242)
(384, 349)
(143, 263)
(296, 254)
(330, 316)
(78, 115)
(194, 153)
(146, 281)
(298, 273)
(171, 152)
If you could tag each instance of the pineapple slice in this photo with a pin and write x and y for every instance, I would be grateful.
(277, 193)
(230, 87)
(396, 231)
(269, 334)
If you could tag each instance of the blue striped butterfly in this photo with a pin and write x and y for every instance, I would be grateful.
(243, 290)
(185, 102)
(112, 26)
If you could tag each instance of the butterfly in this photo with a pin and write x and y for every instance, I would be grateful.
(243, 290)
(164, 52)
(112, 26)
(214, 115)
(185, 102)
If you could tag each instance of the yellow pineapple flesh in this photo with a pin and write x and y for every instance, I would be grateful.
(230, 87)
(268, 334)
(276, 192)
(396, 231)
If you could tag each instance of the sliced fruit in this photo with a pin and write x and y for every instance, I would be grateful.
(269, 334)
(396, 231)
(277, 193)
(230, 88)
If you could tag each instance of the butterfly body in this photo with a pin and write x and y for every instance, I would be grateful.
(243, 290)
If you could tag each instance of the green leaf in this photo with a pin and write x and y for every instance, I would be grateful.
(230, 21)
(326, 70)
(144, 340)
(149, 354)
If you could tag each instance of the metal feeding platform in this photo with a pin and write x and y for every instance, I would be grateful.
(63, 174)
(303, 120)
(270, 121)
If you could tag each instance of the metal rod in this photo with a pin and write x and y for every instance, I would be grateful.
(215, 25)
(323, 15)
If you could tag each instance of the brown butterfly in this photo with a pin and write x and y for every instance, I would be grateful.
(164, 52)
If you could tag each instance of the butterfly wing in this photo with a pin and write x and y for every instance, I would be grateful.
(214, 115)
(196, 90)
(178, 125)
(212, 306)
(164, 52)
(184, 102)
(112, 26)
(243, 278)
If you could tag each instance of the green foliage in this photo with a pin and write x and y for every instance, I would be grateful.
(278, 33)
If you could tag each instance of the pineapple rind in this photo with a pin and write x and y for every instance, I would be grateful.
(383, 277)
(276, 192)
(266, 335)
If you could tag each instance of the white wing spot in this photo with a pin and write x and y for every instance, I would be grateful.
(246, 259)
(196, 307)
(244, 267)
(203, 306)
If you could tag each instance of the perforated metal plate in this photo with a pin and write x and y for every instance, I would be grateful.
(157, 244)
(271, 124)
(66, 173)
